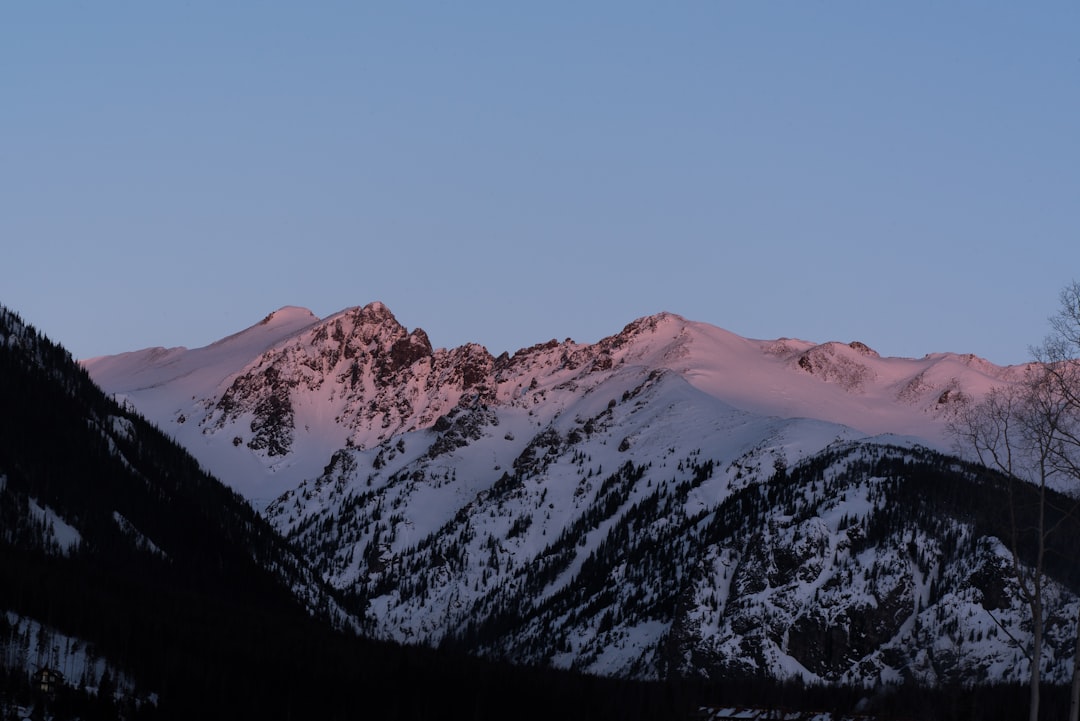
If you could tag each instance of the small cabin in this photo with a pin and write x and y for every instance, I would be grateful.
(49, 681)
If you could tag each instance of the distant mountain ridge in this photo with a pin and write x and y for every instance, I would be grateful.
(671, 501)
(268, 406)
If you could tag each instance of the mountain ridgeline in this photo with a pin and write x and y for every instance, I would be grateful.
(154, 591)
(694, 515)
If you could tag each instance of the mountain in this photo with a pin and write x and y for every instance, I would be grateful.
(673, 501)
(146, 589)
(267, 407)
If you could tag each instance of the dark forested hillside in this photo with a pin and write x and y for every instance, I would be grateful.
(158, 565)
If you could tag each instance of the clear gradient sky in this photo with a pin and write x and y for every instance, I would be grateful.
(903, 174)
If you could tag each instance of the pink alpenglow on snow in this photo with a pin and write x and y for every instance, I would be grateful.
(267, 407)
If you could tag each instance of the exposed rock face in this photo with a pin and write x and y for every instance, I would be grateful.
(838, 363)
(363, 363)
(863, 349)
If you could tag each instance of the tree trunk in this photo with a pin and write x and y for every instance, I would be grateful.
(1074, 702)
(1036, 669)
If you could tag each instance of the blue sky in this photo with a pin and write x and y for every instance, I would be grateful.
(903, 174)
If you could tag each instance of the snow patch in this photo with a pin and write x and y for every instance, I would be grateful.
(57, 531)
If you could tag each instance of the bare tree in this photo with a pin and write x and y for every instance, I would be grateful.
(1059, 355)
(1031, 432)
(1011, 430)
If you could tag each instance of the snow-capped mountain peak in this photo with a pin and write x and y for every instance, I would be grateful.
(672, 499)
(266, 407)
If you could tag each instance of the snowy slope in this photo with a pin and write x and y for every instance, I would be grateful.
(170, 385)
(859, 567)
